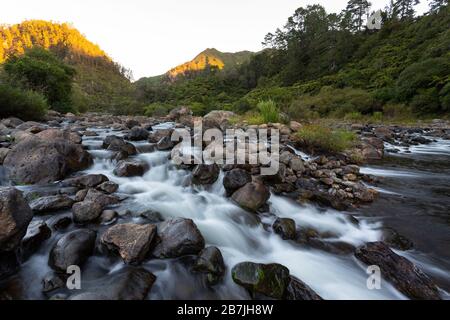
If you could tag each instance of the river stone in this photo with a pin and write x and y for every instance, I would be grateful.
(298, 290)
(117, 144)
(130, 168)
(165, 144)
(252, 196)
(217, 119)
(55, 134)
(52, 203)
(205, 174)
(210, 262)
(73, 248)
(396, 240)
(129, 283)
(108, 187)
(99, 197)
(285, 227)
(402, 273)
(137, 134)
(131, 123)
(235, 179)
(12, 122)
(132, 241)
(86, 211)
(108, 217)
(86, 181)
(3, 153)
(178, 237)
(270, 280)
(52, 281)
(35, 160)
(156, 136)
(37, 233)
(15, 215)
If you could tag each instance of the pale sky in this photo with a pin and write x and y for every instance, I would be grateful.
(152, 36)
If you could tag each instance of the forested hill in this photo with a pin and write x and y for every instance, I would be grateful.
(322, 64)
(99, 83)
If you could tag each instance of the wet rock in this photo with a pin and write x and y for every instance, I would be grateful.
(131, 123)
(298, 290)
(137, 134)
(37, 233)
(99, 197)
(373, 149)
(80, 195)
(285, 227)
(15, 215)
(50, 204)
(73, 248)
(86, 181)
(9, 264)
(270, 280)
(35, 160)
(108, 217)
(178, 237)
(205, 174)
(131, 241)
(108, 187)
(236, 179)
(86, 211)
(130, 168)
(252, 196)
(3, 153)
(210, 262)
(117, 144)
(59, 222)
(58, 134)
(52, 281)
(151, 215)
(156, 136)
(402, 273)
(396, 240)
(165, 144)
(130, 283)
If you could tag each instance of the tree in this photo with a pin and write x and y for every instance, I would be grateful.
(356, 10)
(40, 70)
(436, 5)
(404, 9)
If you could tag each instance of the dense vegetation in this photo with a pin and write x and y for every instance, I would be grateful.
(322, 64)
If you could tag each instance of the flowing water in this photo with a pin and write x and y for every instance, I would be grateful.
(415, 200)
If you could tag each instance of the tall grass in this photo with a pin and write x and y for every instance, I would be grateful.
(327, 139)
(269, 111)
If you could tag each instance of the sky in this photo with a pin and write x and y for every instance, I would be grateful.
(152, 36)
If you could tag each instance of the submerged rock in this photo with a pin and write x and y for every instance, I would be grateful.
(270, 280)
(205, 174)
(252, 196)
(131, 241)
(210, 262)
(73, 248)
(15, 215)
(402, 273)
(178, 237)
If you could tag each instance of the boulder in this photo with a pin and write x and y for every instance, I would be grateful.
(210, 262)
(99, 197)
(86, 181)
(156, 136)
(252, 196)
(130, 168)
(131, 241)
(15, 215)
(108, 187)
(35, 160)
(108, 217)
(3, 153)
(205, 174)
(178, 113)
(37, 233)
(58, 134)
(137, 134)
(178, 237)
(401, 272)
(52, 281)
(86, 211)
(73, 248)
(298, 290)
(117, 144)
(51, 203)
(285, 227)
(12, 122)
(131, 123)
(235, 179)
(165, 144)
(217, 119)
(270, 280)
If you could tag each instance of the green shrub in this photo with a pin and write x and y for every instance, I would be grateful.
(24, 104)
(198, 108)
(353, 116)
(326, 139)
(157, 110)
(269, 111)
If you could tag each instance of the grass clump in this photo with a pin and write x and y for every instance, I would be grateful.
(269, 111)
(326, 139)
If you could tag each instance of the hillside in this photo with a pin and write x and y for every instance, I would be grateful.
(100, 83)
(213, 58)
